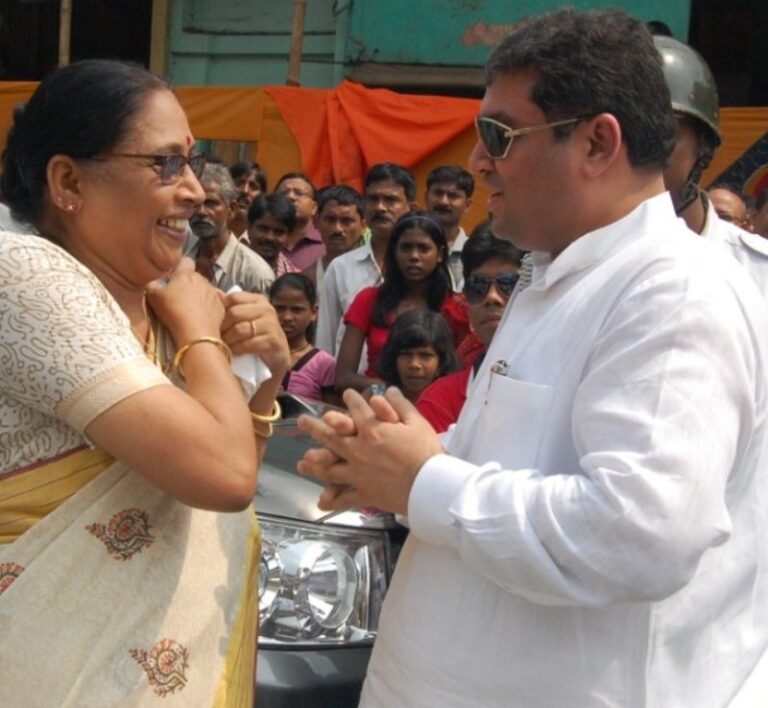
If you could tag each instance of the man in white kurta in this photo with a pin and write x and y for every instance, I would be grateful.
(592, 533)
(579, 542)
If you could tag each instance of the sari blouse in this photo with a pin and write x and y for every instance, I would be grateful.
(67, 353)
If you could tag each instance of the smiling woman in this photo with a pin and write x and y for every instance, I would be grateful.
(123, 426)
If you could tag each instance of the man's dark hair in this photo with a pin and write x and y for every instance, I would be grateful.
(297, 175)
(396, 173)
(277, 206)
(343, 195)
(452, 174)
(295, 281)
(82, 110)
(243, 169)
(586, 63)
(482, 246)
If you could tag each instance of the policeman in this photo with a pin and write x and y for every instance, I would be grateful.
(695, 103)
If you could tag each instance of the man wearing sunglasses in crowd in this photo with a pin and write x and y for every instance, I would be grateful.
(593, 531)
(491, 268)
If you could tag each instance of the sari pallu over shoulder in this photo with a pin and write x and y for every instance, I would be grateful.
(124, 596)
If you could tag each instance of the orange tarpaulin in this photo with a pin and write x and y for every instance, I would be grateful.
(336, 134)
(353, 128)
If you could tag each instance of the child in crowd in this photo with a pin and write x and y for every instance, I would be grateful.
(415, 277)
(419, 350)
(312, 370)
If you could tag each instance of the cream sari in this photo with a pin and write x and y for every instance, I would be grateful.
(112, 593)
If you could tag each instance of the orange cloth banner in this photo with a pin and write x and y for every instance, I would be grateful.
(335, 135)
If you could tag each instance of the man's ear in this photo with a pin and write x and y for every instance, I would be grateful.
(603, 143)
(64, 177)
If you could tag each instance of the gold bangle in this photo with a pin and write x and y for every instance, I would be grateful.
(177, 359)
(261, 434)
(273, 417)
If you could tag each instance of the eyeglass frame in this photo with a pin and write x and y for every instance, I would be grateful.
(488, 281)
(162, 162)
(512, 133)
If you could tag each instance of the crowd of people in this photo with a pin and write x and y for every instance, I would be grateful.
(393, 258)
(568, 407)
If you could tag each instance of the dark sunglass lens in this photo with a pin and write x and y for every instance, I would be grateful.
(505, 283)
(493, 138)
(475, 288)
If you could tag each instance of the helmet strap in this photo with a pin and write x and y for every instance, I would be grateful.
(690, 191)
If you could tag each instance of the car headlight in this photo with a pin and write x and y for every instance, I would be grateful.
(320, 584)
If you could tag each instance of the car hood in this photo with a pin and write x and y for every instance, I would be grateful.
(282, 491)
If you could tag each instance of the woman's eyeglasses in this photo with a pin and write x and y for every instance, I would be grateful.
(168, 167)
(476, 287)
(497, 138)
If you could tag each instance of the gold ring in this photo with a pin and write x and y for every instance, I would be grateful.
(253, 328)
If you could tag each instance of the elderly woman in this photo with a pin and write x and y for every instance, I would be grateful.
(123, 431)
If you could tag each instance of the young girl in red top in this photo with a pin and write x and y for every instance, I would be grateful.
(415, 277)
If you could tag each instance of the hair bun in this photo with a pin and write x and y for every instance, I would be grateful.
(18, 112)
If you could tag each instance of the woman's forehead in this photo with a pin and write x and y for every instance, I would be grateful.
(160, 124)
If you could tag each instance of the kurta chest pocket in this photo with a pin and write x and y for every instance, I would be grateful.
(512, 423)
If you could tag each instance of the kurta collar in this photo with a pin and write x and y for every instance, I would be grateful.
(602, 243)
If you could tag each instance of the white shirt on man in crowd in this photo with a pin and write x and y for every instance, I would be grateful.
(345, 277)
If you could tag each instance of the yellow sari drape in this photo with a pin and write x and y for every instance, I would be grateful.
(156, 601)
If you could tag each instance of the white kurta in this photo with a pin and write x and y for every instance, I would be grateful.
(597, 535)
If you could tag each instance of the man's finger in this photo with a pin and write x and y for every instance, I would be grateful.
(338, 473)
(323, 433)
(358, 408)
(337, 498)
(383, 410)
(321, 456)
(403, 408)
(340, 422)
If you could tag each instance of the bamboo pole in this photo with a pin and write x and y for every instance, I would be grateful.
(65, 31)
(297, 40)
(158, 42)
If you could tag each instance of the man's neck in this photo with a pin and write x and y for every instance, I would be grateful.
(379, 244)
(212, 247)
(451, 234)
(610, 206)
